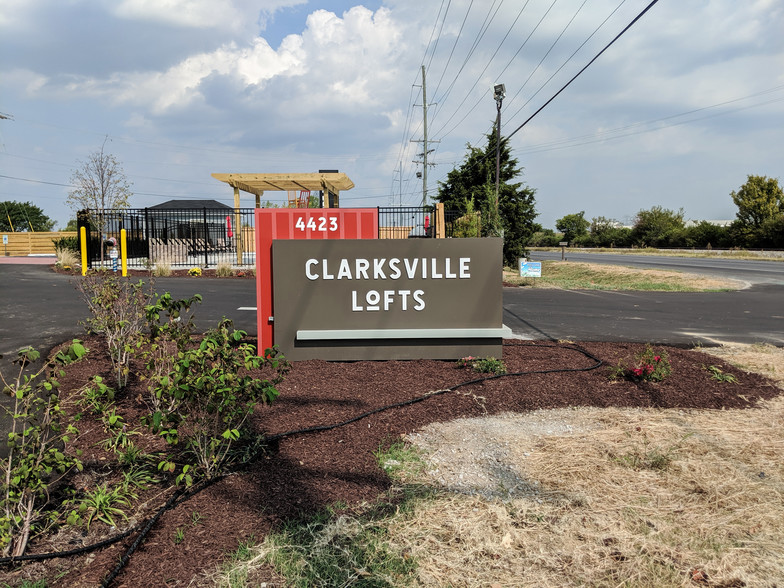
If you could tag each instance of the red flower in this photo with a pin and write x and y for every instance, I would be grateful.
(637, 371)
(657, 358)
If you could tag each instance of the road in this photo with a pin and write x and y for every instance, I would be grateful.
(41, 308)
(749, 271)
(753, 315)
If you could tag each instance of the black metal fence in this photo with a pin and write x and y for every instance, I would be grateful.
(403, 222)
(205, 237)
(192, 237)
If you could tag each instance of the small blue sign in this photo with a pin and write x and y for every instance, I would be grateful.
(530, 269)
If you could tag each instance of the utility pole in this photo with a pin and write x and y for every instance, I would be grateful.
(424, 141)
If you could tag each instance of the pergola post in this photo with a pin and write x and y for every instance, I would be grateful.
(237, 226)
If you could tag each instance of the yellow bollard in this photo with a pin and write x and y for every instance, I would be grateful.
(83, 244)
(123, 252)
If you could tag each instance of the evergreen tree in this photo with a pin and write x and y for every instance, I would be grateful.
(475, 179)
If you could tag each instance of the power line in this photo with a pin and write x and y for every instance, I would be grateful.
(454, 45)
(612, 133)
(432, 54)
(568, 59)
(487, 65)
(618, 36)
(552, 46)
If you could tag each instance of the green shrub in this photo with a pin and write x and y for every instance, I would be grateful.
(37, 456)
(483, 365)
(207, 397)
(118, 313)
(67, 244)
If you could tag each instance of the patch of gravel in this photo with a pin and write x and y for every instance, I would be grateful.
(485, 456)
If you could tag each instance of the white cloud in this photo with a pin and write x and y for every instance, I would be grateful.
(225, 14)
(345, 61)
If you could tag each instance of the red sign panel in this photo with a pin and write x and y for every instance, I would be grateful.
(299, 223)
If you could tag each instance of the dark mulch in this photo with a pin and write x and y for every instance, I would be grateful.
(302, 473)
(245, 274)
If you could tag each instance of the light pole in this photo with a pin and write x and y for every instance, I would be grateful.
(499, 92)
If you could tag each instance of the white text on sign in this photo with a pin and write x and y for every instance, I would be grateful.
(319, 225)
(414, 268)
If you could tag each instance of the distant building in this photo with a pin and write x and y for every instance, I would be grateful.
(190, 204)
(717, 223)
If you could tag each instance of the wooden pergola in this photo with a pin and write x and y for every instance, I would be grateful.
(331, 183)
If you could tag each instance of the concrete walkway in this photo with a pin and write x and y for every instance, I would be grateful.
(28, 260)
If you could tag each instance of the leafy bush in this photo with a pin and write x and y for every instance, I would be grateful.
(720, 375)
(67, 244)
(207, 397)
(468, 225)
(483, 365)
(37, 450)
(647, 366)
(545, 238)
(169, 334)
(118, 309)
(104, 504)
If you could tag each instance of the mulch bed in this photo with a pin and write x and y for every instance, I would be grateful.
(239, 274)
(304, 472)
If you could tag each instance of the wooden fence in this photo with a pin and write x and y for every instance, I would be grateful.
(32, 243)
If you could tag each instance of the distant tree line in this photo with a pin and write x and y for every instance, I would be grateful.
(759, 223)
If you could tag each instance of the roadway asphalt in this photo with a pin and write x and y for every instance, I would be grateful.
(41, 308)
(752, 315)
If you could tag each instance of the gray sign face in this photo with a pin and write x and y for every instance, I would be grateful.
(387, 299)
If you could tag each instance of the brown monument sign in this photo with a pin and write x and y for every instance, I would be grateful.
(388, 299)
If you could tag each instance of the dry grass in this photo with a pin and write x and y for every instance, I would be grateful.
(760, 357)
(649, 499)
(224, 270)
(602, 498)
(594, 276)
(630, 498)
(652, 252)
(162, 269)
(67, 258)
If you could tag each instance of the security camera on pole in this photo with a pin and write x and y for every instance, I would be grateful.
(499, 92)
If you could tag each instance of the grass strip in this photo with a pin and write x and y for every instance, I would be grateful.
(569, 275)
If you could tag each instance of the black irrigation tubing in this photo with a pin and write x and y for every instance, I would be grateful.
(180, 496)
(77, 551)
(597, 363)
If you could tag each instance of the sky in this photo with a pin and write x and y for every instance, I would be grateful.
(676, 113)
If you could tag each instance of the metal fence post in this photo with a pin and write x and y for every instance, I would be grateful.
(206, 238)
